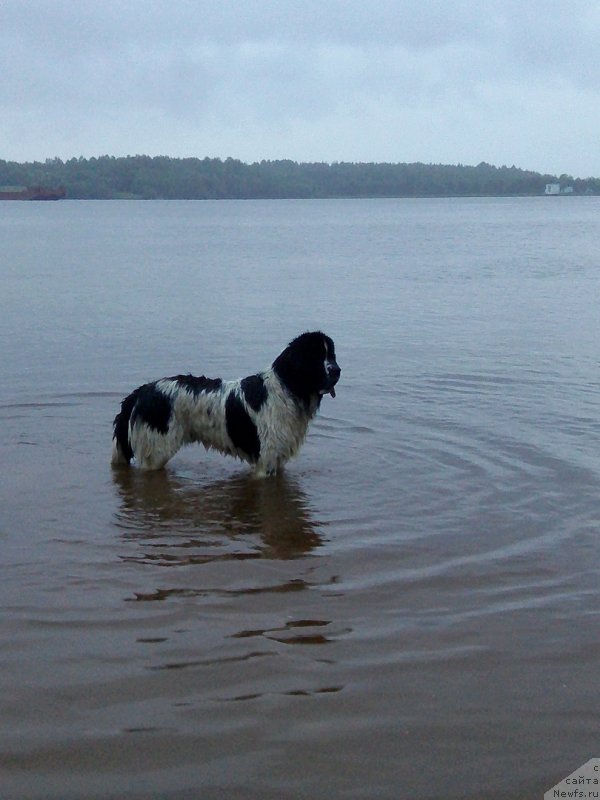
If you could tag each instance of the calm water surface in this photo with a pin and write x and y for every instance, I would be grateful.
(411, 611)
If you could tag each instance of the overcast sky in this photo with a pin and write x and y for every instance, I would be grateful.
(457, 81)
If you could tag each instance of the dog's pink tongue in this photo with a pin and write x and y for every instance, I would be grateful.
(332, 392)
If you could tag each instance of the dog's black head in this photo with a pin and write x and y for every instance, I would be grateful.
(307, 367)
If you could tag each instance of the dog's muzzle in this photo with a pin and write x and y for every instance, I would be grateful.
(333, 375)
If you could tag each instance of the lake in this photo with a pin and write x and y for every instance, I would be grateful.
(412, 610)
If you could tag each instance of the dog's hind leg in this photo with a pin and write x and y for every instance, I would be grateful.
(152, 463)
(152, 450)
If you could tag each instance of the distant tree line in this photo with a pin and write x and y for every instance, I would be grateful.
(162, 177)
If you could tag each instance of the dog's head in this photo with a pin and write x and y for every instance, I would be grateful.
(307, 367)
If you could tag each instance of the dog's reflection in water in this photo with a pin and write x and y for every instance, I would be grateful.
(236, 517)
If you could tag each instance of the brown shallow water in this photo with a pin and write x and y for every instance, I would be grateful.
(411, 611)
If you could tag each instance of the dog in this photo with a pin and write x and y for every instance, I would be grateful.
(261, 419)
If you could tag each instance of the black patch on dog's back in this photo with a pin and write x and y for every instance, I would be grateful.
(152, 407)
(240, 428)
(254, 391)
(198, 384)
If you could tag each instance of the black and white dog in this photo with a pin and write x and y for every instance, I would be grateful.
(261, 419)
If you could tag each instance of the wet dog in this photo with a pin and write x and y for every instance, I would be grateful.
(261, 419)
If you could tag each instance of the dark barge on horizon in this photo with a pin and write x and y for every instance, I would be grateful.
(31, 193)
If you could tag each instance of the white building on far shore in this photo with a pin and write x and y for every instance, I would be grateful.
(554, 188)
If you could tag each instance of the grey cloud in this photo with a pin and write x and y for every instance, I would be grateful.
(111, 24)
(388, 80)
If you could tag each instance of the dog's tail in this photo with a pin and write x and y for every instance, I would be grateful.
(122, 452)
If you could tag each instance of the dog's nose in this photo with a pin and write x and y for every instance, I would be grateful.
(333, 371)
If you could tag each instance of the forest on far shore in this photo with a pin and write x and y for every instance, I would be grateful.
(162, 177)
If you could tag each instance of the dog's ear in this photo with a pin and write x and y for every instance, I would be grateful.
(289, 368)
(301, 367)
